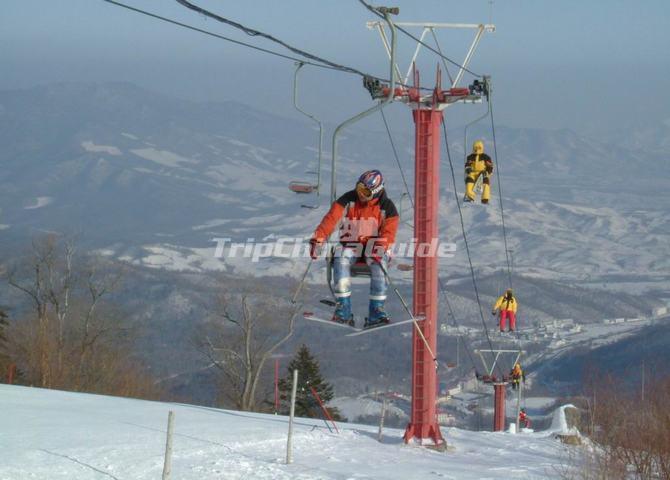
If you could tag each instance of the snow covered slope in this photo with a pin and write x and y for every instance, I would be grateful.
(59, 435)
(152, 180)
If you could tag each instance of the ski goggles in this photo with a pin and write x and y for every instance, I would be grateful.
(363, 191)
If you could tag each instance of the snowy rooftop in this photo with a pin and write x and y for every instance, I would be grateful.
(61, 435)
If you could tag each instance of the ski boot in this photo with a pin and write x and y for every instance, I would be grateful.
(377, 315)
(343, 311)
(467, 199)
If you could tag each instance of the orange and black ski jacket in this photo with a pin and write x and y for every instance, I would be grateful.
(375, 220)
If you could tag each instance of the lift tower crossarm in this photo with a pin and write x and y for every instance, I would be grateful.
(429, 27)
(489, 371)
(487, 26)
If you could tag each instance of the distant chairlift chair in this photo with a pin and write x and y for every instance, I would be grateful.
(307, 187)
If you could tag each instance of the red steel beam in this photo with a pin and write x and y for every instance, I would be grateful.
(423, 426)
(499, 407)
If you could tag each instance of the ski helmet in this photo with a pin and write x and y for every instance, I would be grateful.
(478, 147)
(370, 184)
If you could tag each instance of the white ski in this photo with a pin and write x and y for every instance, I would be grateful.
(361, 331)
(314, 317)
(318, 317)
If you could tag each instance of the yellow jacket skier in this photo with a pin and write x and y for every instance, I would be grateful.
(517, 375)
(507, 305)
(478, 164)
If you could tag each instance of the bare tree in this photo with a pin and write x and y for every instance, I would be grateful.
(240, 340)
(97, 284)
(630, 435)
(73, 338)
(36, 281)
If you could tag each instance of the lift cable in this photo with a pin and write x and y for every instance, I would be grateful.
(326, 65)
(502, 210)
(453, 316)
(418, 40)
(257, 33)
(465, 239)
(315, 58)
(397, 159)
(216, 35)
(411, 200)
(500, 196)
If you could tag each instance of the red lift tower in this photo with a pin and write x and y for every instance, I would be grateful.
(427, 112)
(499, 383)
(428, 121)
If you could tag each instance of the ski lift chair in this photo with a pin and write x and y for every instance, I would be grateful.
(485, 378)
(490, 376)
(307, 187)
(358, 269)
(493, 378)
(304, 188)
(301, 187)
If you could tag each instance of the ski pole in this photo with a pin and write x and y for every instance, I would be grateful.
(411, 315)
(302, 281)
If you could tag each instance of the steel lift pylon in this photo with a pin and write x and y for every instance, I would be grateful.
(427, 111)
(499, 385)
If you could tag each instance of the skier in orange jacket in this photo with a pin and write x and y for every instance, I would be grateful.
(368, 230)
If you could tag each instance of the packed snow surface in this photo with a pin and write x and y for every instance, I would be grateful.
(39, 202)
(54, 435)
(162, 157)
(89, 146)
(352, 408)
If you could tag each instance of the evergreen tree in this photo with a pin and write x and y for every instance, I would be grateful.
(4, 356)
(3, 325)
(308, 376)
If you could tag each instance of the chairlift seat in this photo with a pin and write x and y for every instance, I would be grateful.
(301, 187)
(360, 268)
(488, 378)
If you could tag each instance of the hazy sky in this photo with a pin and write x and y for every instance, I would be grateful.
(590, 65)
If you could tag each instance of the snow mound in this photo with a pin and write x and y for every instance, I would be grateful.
(559, 423)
